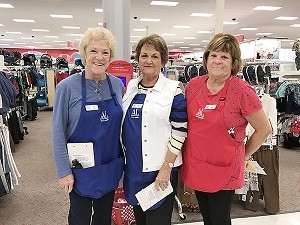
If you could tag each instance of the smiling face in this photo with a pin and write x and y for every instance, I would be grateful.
(150, 62)
(97, 59)
(219, 64)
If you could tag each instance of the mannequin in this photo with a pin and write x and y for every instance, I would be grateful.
(296, 48)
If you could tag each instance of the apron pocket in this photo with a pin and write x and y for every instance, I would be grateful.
(96, 181)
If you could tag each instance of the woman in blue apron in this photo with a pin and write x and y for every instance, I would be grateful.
(153, 131)
(88, 112)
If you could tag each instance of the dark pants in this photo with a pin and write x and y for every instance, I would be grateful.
(162, 215)
(215, 207)
(297, 60)
(81, 209)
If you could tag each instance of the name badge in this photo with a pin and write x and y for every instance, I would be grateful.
(210, 107)
(91, 107)
(137, 106)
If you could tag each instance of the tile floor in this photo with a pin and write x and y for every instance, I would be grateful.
(279, 219)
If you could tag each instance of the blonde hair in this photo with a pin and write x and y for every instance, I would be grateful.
(97, 33)
(225, 43)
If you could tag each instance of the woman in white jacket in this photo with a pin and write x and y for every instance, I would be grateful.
(153, 131)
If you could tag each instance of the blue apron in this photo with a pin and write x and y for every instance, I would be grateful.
(134, 179)
(102, 128)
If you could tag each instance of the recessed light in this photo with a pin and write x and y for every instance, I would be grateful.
(40, 30)
(204, 32)
(19, 43)
(136, 36)
(3, 44)
(38, 42)
(230, 22)
(149, 20)
(98, 10)
(166, 34)
(177, 42)
(163, 3)
(264, 33)
(249, 28)
(23, 21)
(27, 38)
(61, 16)
(190, 38)
(70, 27)
(51, 36)
(12, 32)
(139, 29)
(7, 6)
(295, 25)
(76, 35)
(181, 27)
(184, 47)
(6, 39)
(268, 8)
(100, 24)
(202, 14)
(194, 44)
(1, 25)
(286, 18)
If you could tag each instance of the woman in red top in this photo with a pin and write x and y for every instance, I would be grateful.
(219, 106)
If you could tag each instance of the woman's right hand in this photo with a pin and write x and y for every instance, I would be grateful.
(67, 182)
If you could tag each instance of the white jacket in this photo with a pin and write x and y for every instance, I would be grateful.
(156, 127)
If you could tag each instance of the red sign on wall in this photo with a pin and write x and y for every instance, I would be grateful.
(121, 69)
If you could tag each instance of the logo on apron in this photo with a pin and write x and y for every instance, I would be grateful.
(200, 114)
(104, 117)
(135, 114)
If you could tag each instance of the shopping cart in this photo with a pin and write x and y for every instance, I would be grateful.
(122, 212)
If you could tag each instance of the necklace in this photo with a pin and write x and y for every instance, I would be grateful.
(96, 88)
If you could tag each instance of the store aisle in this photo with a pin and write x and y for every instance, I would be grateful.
(38, 200)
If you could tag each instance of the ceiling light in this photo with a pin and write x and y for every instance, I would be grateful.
(51, 36)
(46, 45)
(204, 32)
(6, 39)
(264, 33)
(166, 34)
(163, 3)
(177, 42)
(268, 8)
(19, 43)
(40, 30)
(133, 41)
(28, 38)
(206, 41)
(149, 20)
(100, 24)
(3, 44)
(76, 35)
(249, 28)
(1, 25)
(190, 38)
(17, 32)
(170, 45)
(8, 6)
(295, 25)
(28, 46)
(138, 36)
(202, 14)
(59, 41)
(184, 47)
(230, 22)
(286, 40)
(38, 42)
(98, 10)
(286, 18)
(23, 21)
(63, 44)
(139, 29)
(61, 16)
(181, 27)
(70, 27)
(194, 44)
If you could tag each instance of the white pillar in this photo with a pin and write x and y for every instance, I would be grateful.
(220, 4)
(1, 62)
(116, 15)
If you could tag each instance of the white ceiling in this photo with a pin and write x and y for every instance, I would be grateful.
(85, 16)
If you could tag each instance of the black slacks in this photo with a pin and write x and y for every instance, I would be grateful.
(81, 209)
(215, 207)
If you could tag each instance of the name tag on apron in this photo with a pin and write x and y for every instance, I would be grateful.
(137, 106)
(91, 107)
(210, 107)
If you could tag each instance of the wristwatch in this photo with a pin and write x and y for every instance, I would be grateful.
(169, 164)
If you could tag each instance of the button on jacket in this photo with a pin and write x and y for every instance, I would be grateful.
(155, 116)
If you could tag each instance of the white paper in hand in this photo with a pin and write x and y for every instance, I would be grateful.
(83, 152)
(149, 196)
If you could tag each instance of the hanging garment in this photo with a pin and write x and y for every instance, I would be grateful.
(102, 128)
(268, 184)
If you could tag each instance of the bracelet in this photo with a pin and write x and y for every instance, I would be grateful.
(171, 165)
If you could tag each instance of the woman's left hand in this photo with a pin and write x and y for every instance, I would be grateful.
(163, 177)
